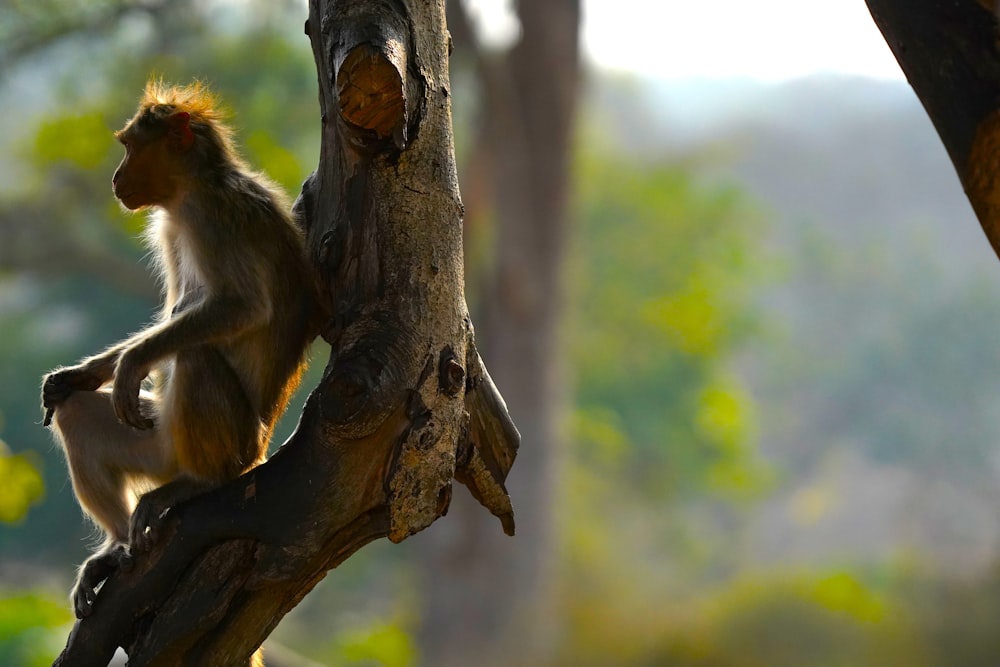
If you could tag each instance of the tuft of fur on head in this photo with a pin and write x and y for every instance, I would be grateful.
(214, 138)
(196, 99)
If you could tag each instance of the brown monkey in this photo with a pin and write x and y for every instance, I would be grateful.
(225, 354)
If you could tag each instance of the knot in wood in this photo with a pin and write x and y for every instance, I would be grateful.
(451, 374)
(350, 386)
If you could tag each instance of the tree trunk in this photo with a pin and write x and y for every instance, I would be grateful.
(491, 600)
(949, 53)
(405, 403)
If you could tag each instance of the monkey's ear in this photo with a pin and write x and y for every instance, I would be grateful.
(180, 135)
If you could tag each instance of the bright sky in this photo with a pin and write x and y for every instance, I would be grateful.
(769, 40)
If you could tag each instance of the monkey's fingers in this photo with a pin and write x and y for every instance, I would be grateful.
(143, 529)
(137, 420)
(83, 601)
(126, 406)
(47, 420)
(54, 393)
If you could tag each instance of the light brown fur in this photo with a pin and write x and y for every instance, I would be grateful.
(226, 352)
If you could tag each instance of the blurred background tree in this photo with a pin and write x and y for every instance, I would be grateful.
(758, 403)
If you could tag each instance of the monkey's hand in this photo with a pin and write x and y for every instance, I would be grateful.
(59, 384)
(129, 374)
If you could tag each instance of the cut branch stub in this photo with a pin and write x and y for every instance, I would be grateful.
(370, 90)
(371, 69)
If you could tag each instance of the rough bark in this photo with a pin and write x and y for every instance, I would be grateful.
(949, 53)
(491, 602)
(405, 404)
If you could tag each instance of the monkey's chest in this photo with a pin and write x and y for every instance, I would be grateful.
(189, 298)
(189, 283)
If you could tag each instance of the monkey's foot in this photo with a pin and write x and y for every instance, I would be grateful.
(147, 518)
(94, 572)
(150, 513)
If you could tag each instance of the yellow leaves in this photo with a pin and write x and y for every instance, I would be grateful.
(829, 619)
(378, 643)
(21, 485)
(724, 414)
(690, 317)
(725, 419)
(834, 591)
(843, 592)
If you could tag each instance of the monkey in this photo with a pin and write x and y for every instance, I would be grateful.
(224, 354)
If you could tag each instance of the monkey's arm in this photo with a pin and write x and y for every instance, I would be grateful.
(88, 375)
(100, 368)
(217, 319)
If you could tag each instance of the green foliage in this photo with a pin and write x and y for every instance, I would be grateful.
(662, 277)
(31, 628)
(830, 620)
(821, 619)
(81, 140)
(282, 165)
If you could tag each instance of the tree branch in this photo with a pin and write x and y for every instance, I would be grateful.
(948, 51)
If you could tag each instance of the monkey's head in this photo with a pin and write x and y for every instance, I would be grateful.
(175, 137)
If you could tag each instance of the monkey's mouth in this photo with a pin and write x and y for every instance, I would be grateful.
(131, 206)
(123, 199)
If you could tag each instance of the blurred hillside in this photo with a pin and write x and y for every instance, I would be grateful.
(851, 155)
(877, 375)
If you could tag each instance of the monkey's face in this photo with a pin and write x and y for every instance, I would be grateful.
(147, 175)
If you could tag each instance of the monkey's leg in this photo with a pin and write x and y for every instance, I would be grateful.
(213, 430)
(102, 455)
